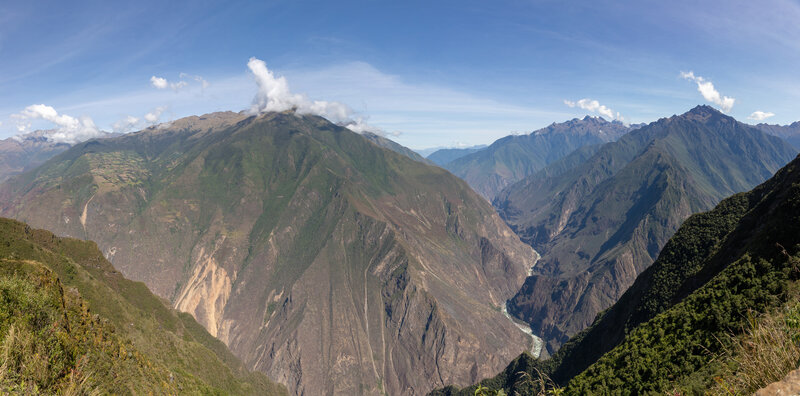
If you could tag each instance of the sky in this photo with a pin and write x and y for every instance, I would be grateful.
(445, 73)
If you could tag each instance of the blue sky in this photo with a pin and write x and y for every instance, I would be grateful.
(427, 73)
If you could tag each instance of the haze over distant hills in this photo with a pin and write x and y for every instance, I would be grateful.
(391, 145)
(514, 157)
(599, 223)
(445, 155)
(790, 133)
(327, 262)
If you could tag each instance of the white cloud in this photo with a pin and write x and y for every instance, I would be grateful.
(203, 83)
(274, 95)
(706, 88)
(153, 116)
(158, 82)
(595, 107)
(131, 123)
(163, 83)
(126, 124)
(759, 115)
(68, 129)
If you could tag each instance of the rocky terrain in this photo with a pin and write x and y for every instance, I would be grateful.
(689, 324)
(321, 259)
(599, 220)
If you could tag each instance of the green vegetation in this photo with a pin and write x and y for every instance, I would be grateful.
(317, 256)
(601, 223)
(768, 350)
(718, 311)
(71, 324)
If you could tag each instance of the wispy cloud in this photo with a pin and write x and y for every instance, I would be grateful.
(426, 114)
(759, 115)
(203, 82)
(706, 88)
(595, 107)
(163, 83)
(155, 115)
(130, 123)
(68, 129)
(126, 124)
(274, 95)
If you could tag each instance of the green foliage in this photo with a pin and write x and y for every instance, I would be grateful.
(763, 354)
(484, 391)
(687, 324)
(98, 332)
(601, 223)
(750, 271)
(792, 322)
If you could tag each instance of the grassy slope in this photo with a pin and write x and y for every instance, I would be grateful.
(65, 301)
(670, 328)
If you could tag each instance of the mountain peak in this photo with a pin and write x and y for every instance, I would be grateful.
(701, 113)
(594, 119)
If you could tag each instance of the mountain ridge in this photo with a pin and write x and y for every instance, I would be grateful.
(672, 330)
(514, 157)
(602, 222)
(272, 225)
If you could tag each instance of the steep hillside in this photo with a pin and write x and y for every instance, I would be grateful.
(790, 133)
(70, 323)
(319, 258)
(599, 224)
(394, 146)
(443, 156)
(675, 329)
(512, 158)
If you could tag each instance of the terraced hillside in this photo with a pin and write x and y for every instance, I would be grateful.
(319, 258)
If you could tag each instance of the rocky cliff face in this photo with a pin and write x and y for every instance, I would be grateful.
(332, 265)
(599, 224)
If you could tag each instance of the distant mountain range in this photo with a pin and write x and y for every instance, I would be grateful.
(599, 223)
(512, 158)
(27, 151)
(331, 264)
(392, 145)
(676, 329)
(445, 155)
(790, 133)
